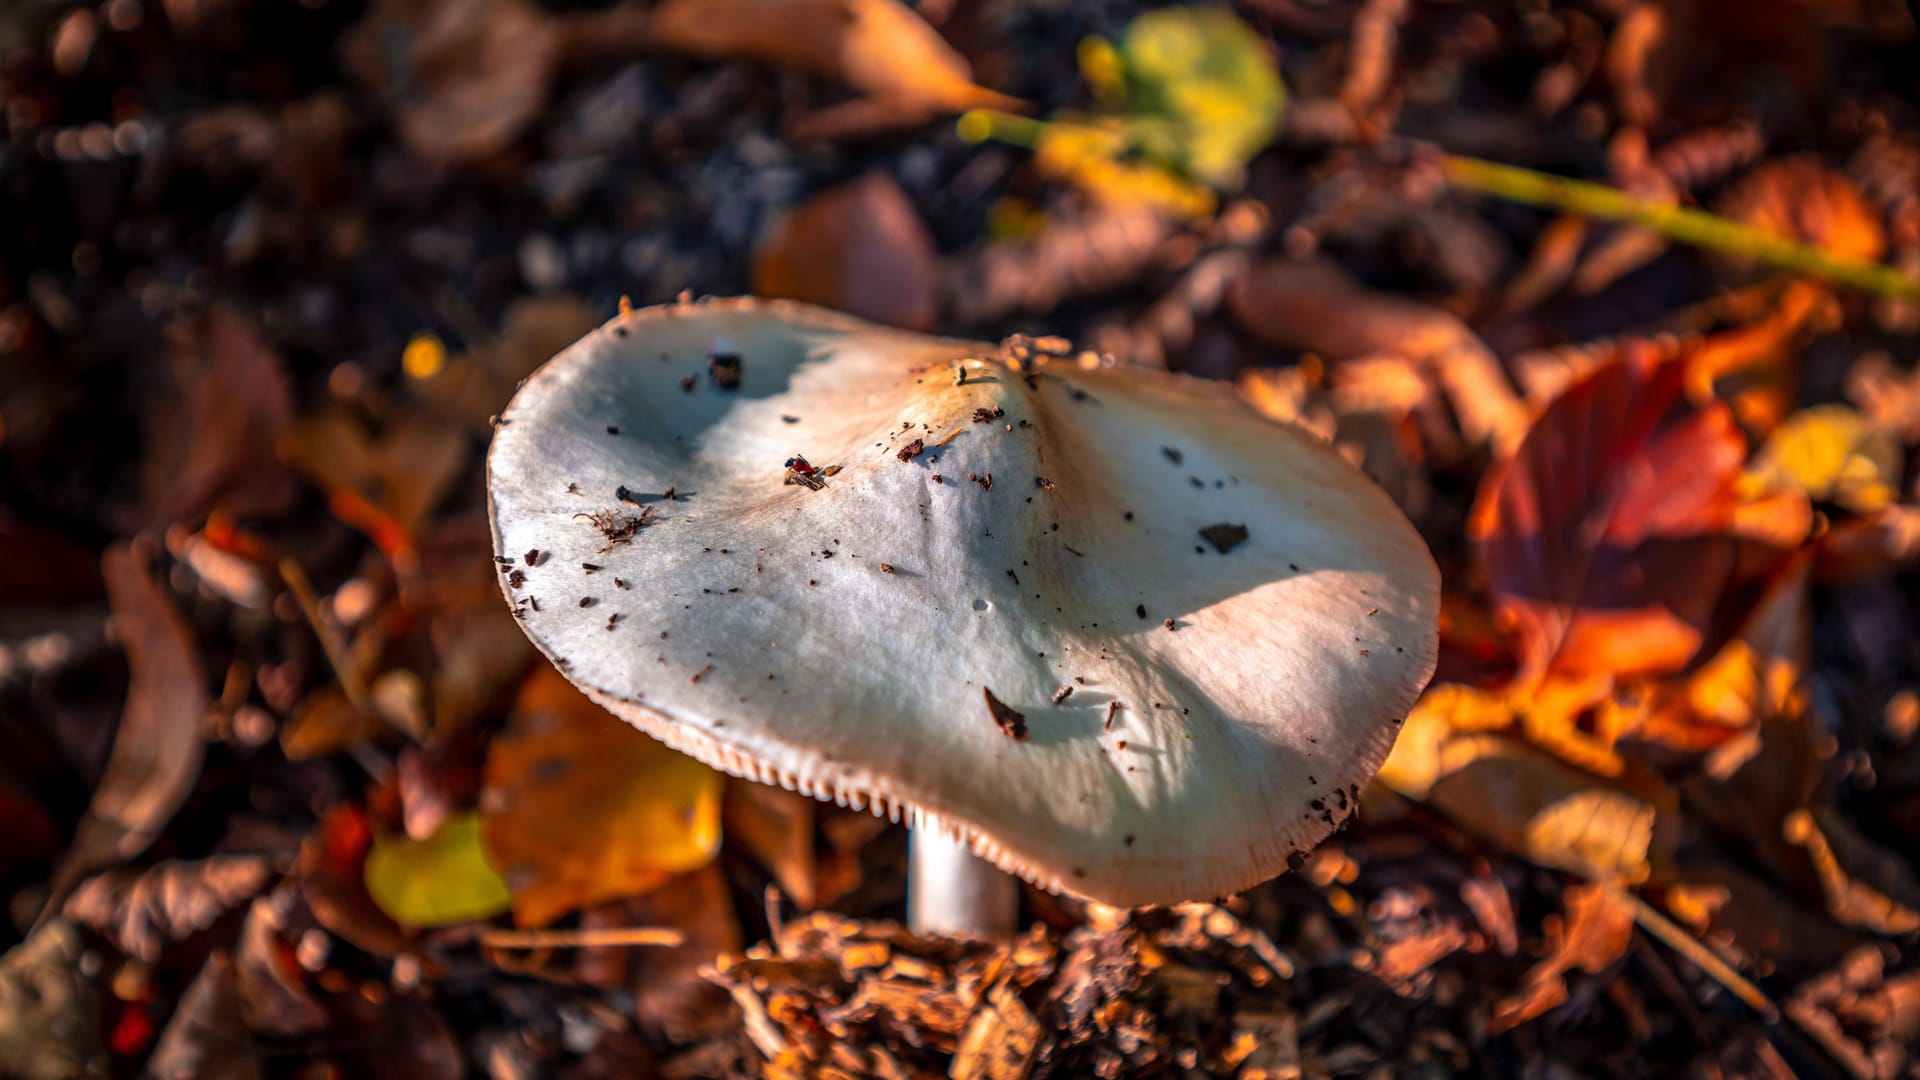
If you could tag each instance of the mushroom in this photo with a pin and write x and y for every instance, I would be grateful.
(1106, 629)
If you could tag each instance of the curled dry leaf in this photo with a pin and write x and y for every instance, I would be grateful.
(858, 247)
(1604, 538)
(1314, 306)
(580, 808)
(207, 1039)
(1592, 936)
(1526, 801)
(142, 911)
(1864, 885)
(160, 745)
(210, 426)
(879, 47)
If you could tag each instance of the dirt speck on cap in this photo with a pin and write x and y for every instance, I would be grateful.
(1012, 722)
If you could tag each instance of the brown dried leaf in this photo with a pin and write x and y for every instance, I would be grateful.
(141, 911)
(669, 992)
(383, 486)
(1798, 198)
(580, 808)
(207, 1039)
(331, 877)
(473, 386)
(859, 247)
(1314, 306)
(210, 426)
(466, 77)
(160, 745)
(1594, 935)
(776, 826)
(1604, 538)
(879, 47)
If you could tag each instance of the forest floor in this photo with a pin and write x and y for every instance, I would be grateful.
(285, 786)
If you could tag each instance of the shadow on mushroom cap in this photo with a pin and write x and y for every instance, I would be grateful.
(835, 634)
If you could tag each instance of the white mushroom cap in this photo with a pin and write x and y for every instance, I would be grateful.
(841, 641)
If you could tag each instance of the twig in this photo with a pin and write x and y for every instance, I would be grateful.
(1687, 226)
(500, 938)
(1703, 958)
(351, 682)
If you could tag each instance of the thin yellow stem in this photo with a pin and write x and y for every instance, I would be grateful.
(1685, 225)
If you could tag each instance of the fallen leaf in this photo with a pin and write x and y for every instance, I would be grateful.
(1314, 306)
(210, 425)
(331, 876)
(158, 750)
(1202, 91)
(1833, 455)
(670, 994)
(580, 808)
(1592, 936)
(1529, 803)
(384, 486)
(465, 77)
(1798, 198)
(49, 1013)
(439, 881)
(1603, 539)
(207, 1038)
(1872, 545)
(776, 827)
(142, 911)
(474, 385)
(859, 247)
(276, 998)
(879, 47)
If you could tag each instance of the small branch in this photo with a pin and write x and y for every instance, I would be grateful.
(1686, 226)
(500, 938)
(1703, 958)
(351, 681)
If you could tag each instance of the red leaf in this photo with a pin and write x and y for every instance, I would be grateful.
(1604, 538)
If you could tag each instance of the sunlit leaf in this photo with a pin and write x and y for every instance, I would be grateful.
(1203, 91)
(859, 247)
(1593, 935)
(1604, 538)
(580, 808)
(1526, 801)
(438, 881)
(1834, 455)
(880, 47)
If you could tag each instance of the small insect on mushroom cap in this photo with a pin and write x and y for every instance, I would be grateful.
(920, 669)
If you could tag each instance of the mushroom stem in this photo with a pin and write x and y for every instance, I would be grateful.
(954, 892)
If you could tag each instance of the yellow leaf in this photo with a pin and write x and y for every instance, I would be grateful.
(1523, 799)
(439, 881)
(1832, 454)
(580, 808)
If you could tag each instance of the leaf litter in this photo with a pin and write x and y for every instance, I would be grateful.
(1670, 756)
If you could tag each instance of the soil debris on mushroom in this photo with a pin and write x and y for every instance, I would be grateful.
(1225, 537)
(1011, 721)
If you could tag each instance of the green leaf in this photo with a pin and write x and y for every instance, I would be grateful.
(438, 881)
(1203, 93)
(1833, 455)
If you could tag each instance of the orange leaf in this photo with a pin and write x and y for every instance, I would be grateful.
(580, 808)
(1595, 933)
(1603, 538)
(858, 247)
(880, 47)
